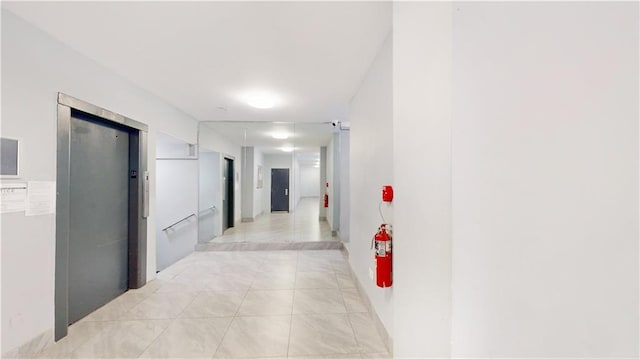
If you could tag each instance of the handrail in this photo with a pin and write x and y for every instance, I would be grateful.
(212, 208)
(182, 220)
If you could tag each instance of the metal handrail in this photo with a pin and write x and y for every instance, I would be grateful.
(182, 220)
(212, 208)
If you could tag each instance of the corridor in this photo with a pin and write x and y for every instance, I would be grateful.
(294, 304)
(301, 225)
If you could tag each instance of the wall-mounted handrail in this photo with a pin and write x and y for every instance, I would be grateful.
(182, 220)
(212, 208)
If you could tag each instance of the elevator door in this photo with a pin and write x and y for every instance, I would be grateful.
(98, 214)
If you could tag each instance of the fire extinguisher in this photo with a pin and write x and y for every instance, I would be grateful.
(382, 244)
(326, 195)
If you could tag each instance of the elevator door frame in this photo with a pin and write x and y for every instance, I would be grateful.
(138, 202)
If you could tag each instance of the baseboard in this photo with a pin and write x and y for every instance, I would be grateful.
(267, 246)
(31, 347)
(388, 340)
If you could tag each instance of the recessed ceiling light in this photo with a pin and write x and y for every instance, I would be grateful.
(261, 100)
(286, 149)
(280, 135)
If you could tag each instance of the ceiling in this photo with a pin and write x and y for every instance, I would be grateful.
(304, 138)
(204, 56)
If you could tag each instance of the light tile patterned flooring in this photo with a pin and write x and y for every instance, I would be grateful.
(302, 225)
(259, 304)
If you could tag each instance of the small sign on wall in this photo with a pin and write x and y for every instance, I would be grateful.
(260, 180)
(13, 197)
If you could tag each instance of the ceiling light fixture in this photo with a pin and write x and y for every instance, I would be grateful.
(280, 135)
(261, 100)
(286, 149)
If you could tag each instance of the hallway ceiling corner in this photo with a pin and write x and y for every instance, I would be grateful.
(200, 56)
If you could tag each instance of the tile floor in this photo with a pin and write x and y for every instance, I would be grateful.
(258, 304)
(299, 226)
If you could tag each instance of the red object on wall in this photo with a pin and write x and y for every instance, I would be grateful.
(387, 193)
(326, 196)
(384, 269)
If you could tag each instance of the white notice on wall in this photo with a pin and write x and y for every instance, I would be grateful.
(12, 197)
(41, 198)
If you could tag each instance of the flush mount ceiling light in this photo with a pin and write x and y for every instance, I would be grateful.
(280, 135)
(261, 100)
(286, 149)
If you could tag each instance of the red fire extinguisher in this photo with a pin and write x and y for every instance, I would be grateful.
(326, 196)
(382, 245)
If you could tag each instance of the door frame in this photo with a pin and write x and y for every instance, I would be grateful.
(138, 201)
(231, 195)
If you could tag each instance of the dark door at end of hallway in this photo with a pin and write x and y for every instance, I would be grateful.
(227, 198)
(98, 214)
(279, 189)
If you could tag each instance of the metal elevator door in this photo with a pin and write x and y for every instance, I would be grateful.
(98, 215)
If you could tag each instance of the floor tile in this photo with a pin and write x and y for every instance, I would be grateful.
(345, 280)
(318, 301)
(214, 304)
(328, 356)
(231, 281)
(367, 336)
(267, 302)
(314, 265)
(79, 333)
(316, 280)
(353, 301)
(376, 356)
(321, 334)
(161, 306)
(126, 339)
(117, 309)
(274, 280)
(255, 337)
(189, 338)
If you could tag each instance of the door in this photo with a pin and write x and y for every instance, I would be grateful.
(227, 198)
(279, 189)
(98, 214)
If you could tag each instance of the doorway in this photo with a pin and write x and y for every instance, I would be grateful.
(102, 205)
(279, 189)
(228, 198)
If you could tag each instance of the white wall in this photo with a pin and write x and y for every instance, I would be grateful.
(251, 194)
(333, 177)
(371, 122)
(277, 161)
(309, 181)
(176, 198)
(35, 68)
(210, 140)
(422, 177)
(210, 194)
(296, 182)
(345, 186)
(258, 193)
(545, 180)
(247, 182)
